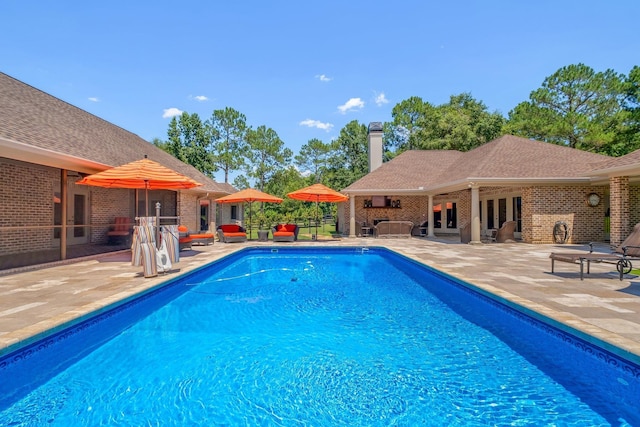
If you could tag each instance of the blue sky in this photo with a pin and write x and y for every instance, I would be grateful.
(303, 69)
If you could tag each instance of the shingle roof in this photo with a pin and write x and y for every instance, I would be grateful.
(410, 170)
(622, 164)
(35, 118)
(520, 158)
(506, 158)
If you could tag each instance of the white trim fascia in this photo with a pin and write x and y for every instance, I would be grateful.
(386, 192)
(633, 169)
(41, 156)
(469, 182)
(481, 182)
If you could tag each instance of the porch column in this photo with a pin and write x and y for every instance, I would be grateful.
(619, 204)
(430, 218)
(352, 216)
(475, 215)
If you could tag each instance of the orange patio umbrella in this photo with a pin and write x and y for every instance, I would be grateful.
(141, 174)
(318, 193)
(249, 195)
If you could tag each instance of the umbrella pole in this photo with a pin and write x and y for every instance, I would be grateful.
(250, 204)
(317, 217)
(146, 198)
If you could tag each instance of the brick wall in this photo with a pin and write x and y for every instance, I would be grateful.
(27, 207)
(413, 208)
(26, 200)
(543, 206)
(189, 211)
(634, 206)
(106, 205)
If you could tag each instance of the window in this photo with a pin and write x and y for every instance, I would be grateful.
(57, 215)
(517, 213)
(502, 211)
(490, 223)
(234, 212)
(452, 215)
(204, 215)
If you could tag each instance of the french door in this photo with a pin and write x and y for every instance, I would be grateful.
(77, 214)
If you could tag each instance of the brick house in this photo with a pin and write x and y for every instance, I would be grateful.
(45, 142)
(533, 183)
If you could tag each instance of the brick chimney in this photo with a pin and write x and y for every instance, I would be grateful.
(374, 139)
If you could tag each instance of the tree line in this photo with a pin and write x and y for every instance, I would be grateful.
(575, 107)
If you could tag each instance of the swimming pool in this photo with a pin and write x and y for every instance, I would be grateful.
(298, 336)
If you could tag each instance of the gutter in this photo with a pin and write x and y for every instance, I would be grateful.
(28, 153)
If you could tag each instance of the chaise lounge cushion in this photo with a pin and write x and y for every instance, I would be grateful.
(202, 238)
(184, 239)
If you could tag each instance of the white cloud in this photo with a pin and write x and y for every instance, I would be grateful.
(93, 99)
(304, 173)
(381, 99)
(350, 105)
(316, 124)
(170, 112)
(323, 78)
(200, 98)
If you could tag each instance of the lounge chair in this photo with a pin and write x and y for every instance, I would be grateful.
(121, 231)
(184, 239)
(285, 233)
(188, 238)
(229, 233)
(621, 257)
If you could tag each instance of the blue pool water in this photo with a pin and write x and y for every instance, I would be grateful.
(327, 337)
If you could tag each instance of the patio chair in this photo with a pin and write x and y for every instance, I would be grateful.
(465, 233)
(120, 231)
(229, 233)
(188, 238)
(285, 233)
(505, 232)
(184, 240)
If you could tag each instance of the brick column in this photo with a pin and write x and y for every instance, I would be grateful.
(352, 216)
(619, 204)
